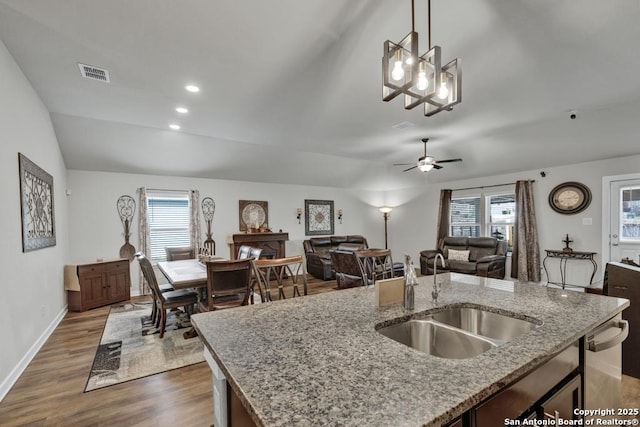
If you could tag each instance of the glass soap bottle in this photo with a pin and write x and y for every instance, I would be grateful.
(410, 281)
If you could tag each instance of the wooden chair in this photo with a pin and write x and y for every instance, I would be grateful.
(375, 264)
(164, 287)
(179, 253)
(245, 252)
(293, 266)
(165, 300)
(228, 284)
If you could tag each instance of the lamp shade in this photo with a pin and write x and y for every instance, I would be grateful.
(385, 209)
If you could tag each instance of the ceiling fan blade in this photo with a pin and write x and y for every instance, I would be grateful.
(410, 168)
(437, 166)
(447, 161)
(403, 164)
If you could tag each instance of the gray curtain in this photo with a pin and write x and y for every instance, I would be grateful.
(444, 215)
(525, 260)
(194, 214)
(143, 234)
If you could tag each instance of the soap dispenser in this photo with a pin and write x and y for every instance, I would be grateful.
(410, 281)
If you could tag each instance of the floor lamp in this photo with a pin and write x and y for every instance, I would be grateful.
(385, 211)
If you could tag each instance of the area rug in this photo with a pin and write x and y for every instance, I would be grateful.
(130, 347)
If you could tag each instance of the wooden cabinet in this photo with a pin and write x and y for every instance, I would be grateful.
(623, 281)
(101, 284)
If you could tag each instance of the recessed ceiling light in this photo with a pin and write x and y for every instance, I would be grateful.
(192, 88)
(182, 110)
(174, 126)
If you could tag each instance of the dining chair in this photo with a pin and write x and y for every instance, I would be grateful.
(180, 253)
(164, 287)
(293, 267)
(246, 251)
(375, 264)
(228, 284)
(165, 300)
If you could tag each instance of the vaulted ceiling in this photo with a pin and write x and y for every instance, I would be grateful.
(291, 90)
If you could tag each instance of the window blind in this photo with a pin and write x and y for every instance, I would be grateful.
(169, 224)
(465, 217)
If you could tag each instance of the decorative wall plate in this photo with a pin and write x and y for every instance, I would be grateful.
(318, 217)
(253, 214)
(570, 198)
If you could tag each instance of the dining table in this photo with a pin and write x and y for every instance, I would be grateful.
(185, 273)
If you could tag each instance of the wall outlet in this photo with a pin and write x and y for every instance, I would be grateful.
(587, 221)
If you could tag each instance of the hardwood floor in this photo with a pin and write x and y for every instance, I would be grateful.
(50, 391)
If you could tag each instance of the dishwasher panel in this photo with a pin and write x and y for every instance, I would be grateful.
(603, 370)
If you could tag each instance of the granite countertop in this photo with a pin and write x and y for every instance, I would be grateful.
(318, 359)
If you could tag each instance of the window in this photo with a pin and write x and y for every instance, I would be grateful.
(465, 217)
(630, 214)
(484, 215)
(169, 222)
(501, 217)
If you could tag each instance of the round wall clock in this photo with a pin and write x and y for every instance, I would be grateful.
(570, 198)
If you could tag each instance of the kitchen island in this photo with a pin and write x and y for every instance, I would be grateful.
(319, 360)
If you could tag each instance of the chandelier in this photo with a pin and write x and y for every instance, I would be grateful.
(422, 79)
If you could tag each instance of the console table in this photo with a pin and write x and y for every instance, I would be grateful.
(272, 244)
(566, 257)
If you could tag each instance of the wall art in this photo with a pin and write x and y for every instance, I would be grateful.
(318, 217)
(36, 205)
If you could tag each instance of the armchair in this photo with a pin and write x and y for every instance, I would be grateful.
(316, 250)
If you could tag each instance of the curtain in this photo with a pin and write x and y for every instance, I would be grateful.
(143, 234)
(525, 260)
(194, 215)
(444, 215)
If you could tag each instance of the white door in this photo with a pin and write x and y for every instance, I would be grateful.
(624, 229)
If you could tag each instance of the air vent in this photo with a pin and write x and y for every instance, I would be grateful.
(402, 125)
(94, 73)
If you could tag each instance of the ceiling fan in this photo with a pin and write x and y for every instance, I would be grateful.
(426, 163)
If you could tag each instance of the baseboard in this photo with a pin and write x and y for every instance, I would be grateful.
(11, 379)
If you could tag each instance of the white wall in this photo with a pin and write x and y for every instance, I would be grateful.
(95, 230)
(414, 218)
(32, 291)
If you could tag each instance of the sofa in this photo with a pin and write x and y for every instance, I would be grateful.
(481, 256)
(317, 249)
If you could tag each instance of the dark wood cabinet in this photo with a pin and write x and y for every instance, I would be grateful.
(101, 283)
(623, 281)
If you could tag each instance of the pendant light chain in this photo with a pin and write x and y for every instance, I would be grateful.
(429, 23)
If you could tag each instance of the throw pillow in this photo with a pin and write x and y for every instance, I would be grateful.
(458, 255)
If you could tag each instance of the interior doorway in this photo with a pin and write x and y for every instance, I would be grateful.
(621, 215)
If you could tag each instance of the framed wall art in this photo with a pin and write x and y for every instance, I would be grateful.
(318, 217)
(253, 214)
(36, 205)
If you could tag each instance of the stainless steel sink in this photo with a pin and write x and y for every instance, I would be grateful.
(483, 322)
(437, 339)
(458, 332)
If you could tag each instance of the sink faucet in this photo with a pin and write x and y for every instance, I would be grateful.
(436, 288)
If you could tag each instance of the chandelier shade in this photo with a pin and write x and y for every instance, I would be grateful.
(421, 79)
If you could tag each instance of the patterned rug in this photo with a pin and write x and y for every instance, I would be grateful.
(130, 347)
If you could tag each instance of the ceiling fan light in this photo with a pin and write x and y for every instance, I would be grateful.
(425, 167)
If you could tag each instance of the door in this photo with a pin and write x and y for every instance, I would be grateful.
(624, 229)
